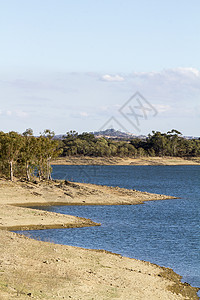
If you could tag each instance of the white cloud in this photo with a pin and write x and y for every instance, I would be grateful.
(14, 113)
(84, 114)
(80, 115)
(169, 73)
(21, 114)
(104, 108)
(8, 113)
(113, 78)
(181, 85)
(188, 71)
(175, 93)
(162, 108)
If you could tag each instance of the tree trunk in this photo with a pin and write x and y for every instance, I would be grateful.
(40, 170)
(39, 175)
(49, 169)
(11, 170)
(27, 172)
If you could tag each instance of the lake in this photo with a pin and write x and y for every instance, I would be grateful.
(162, 232)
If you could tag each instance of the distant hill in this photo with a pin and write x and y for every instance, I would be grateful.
(116, 134)
(111, 133)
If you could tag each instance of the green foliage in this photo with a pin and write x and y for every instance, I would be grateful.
(23, 155)
(88, 144)
(158, 144)
(172, 144)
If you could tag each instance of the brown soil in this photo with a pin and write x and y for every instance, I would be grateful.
(16, 196)
(43, 270)
(86, 160)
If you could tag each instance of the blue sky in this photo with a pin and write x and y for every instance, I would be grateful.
(73, 64)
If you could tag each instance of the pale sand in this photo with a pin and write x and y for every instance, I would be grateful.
(48, 271)
(59, 193)
(142, 161)
(41, 270)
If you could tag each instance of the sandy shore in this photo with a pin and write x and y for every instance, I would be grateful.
(15, 195)
(41, 270)
(143, 161)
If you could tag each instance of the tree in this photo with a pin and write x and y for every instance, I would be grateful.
(28, 151)
(47, 149)
(174, 136)
(141, 152)
(158, 142)
(11, 145)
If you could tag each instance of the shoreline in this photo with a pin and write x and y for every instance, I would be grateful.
(18, 197)
(44, 270)
(33, 205)
(58, 271)
(127, 161)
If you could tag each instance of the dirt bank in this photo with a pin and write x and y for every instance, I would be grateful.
(15, 195)
(41, 270)
(142, 161)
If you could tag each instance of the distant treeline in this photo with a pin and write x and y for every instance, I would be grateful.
(24, 155)
(156, 144)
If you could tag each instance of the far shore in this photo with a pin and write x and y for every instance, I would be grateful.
(126, 161)
(43, 270)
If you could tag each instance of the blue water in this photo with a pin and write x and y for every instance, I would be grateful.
(162, 232)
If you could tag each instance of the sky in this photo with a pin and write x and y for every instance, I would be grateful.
(90, 65)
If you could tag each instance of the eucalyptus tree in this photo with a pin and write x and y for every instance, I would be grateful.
(174, 137)
(46, 149)
(28, 152)
(11, 145)
(158, 142)
(3, 160)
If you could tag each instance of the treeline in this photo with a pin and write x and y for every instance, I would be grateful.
(23, 155)
(156, 144)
